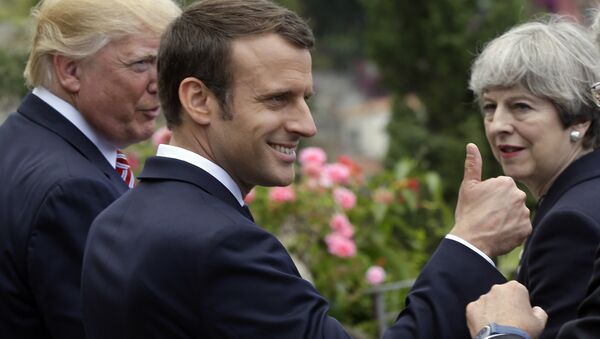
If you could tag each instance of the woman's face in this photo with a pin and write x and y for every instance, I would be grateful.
(527, 137)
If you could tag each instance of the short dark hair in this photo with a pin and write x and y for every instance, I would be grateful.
(198, 44)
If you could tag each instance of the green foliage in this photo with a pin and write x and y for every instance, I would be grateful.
(338, 27)
(16, 8)
(398, 219)
(424, 50)
(12, 83)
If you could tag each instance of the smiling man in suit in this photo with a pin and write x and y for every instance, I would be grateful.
(180, 256)
(93, 72)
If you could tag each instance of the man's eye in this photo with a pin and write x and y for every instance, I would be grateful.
(141, 66)
(278, 98)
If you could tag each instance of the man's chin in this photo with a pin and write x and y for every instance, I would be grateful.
(281, 181)
(134, 138)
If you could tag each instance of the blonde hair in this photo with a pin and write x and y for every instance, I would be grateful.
(80, 28)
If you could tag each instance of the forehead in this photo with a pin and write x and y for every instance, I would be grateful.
(132, 46)
(507, 92)
(270, 62)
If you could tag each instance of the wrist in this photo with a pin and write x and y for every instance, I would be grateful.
(494, 330)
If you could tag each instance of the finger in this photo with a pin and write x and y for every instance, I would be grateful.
(473, 164)
(539, 313)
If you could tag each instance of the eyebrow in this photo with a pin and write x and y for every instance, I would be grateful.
(515, 97)
(283, 92)
(128, 59)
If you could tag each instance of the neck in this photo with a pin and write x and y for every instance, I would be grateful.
(541, 189)
(192, 139)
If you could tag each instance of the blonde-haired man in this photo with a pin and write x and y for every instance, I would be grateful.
(93, 73)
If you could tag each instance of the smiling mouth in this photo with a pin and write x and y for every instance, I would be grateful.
(284, 149)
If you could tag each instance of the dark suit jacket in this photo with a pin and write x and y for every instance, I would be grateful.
(557, 261)
(587, 324)
(54, 181)
(177, 258)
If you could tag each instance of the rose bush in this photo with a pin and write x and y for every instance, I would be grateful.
(348, 232)
(353, 232)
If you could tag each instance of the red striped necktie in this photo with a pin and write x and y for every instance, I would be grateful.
(123, 169)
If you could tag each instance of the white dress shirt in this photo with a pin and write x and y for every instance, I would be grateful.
(469, 245)
(197, 160)
(108, 150)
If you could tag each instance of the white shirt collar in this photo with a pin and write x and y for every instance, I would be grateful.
(197, 160)
(108, 150)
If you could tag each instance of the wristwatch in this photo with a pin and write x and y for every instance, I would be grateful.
(494, 330)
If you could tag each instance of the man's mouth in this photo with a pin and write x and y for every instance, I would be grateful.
(284, 149)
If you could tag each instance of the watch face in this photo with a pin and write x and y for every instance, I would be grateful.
(484, 332)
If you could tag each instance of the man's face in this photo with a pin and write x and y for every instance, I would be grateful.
(118, 90)
(272, 79)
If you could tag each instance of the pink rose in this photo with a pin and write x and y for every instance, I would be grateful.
(161, 136)
(344, 197)
(375, 275)
(341, 225)
(383, 196)
(312, 155)
(312, 169)
(340, 246)
(282, 194)
(336, 173)
(249, 198)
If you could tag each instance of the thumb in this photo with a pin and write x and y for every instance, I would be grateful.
(473, 164)
(539, 313)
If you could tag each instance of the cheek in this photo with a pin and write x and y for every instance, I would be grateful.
(488, 134)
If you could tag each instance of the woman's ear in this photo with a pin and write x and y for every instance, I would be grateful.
(582, 127)
(67, 73)
(194, 97)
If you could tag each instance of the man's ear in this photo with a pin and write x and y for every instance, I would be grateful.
(195, 100)
(67, 73)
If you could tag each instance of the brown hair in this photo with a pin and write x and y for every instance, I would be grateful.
(198, 44)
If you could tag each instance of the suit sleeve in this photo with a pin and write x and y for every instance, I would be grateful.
(561, 256)
(435, 307)
(587, 324)
(255, 291)
(55, 252)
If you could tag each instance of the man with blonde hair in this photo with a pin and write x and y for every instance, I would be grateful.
(93, 73)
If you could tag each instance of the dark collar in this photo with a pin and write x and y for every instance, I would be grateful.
(163, 168)
(582, 169)
(38, 111)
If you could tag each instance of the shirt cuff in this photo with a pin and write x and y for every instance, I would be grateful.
(469, 245)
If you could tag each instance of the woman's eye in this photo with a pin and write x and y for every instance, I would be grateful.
(488, 109)
(521, 106)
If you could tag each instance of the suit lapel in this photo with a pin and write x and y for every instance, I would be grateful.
(172, 169)
(36, 110)
(580, 170)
